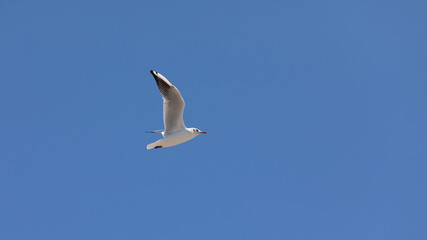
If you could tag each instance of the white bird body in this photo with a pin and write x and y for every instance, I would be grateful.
(173, 109)
(174, 139)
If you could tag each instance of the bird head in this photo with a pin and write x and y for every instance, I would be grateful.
(197, 131)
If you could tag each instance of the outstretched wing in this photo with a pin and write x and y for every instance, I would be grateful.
(173, 104)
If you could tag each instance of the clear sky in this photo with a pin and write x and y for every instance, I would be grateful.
(316, 116)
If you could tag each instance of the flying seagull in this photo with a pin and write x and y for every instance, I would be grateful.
(175, 131)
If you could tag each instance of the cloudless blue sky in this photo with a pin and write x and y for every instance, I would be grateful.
(316, 116)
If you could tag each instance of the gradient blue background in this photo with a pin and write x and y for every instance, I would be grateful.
(316, 116)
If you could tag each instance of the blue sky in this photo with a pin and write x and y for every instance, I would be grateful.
(316, 116)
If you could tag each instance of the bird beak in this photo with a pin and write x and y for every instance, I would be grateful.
(203, 132)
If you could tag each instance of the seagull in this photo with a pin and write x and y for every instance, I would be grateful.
(175, 131)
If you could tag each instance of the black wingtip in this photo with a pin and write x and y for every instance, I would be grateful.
(154, 73)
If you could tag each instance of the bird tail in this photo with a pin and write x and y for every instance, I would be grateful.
(153, 145)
